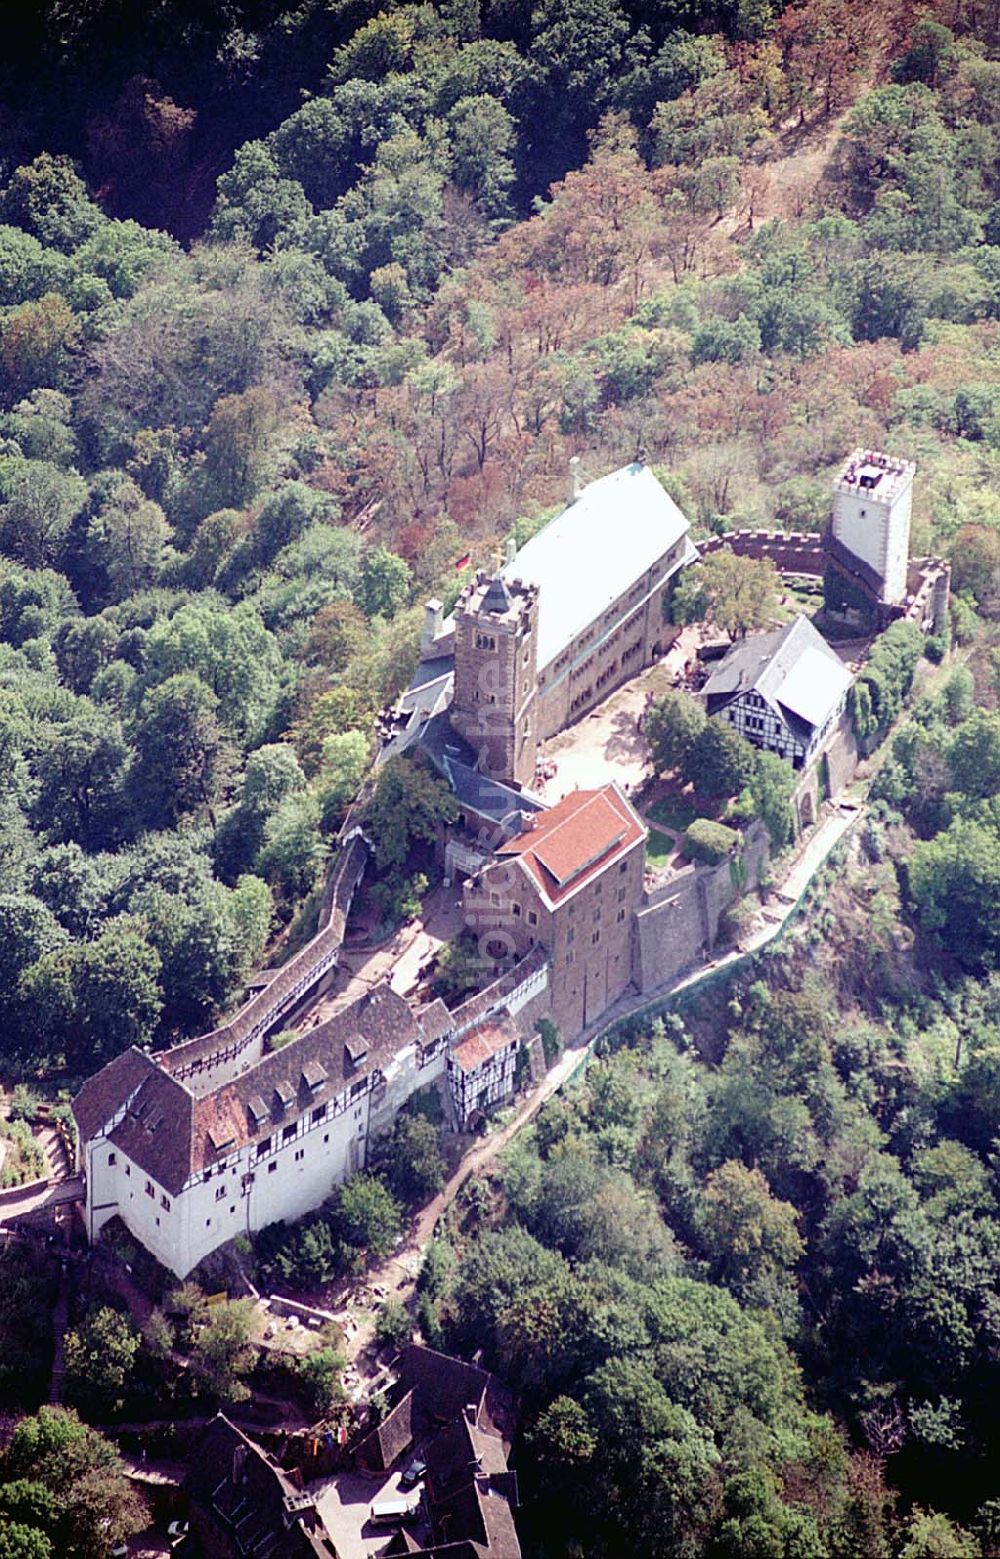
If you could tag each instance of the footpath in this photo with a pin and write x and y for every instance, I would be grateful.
(398, 1273)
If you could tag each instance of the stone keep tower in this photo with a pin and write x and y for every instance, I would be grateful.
(496, 650)
(872, 499)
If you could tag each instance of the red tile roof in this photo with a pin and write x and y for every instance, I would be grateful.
(485, 1040)
(109, 1090)
(576, 839)
(172, 1133)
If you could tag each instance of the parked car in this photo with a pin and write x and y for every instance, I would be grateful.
(414, 1473)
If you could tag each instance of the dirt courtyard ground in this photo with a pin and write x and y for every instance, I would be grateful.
(606, 744)
(400, 959)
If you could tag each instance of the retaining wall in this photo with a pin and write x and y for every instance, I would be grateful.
(679, 921)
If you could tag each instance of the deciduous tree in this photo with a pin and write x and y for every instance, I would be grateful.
(737, 594)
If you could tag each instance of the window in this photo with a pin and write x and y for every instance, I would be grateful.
(318, 1114)
(494, 898)
(569, 957)
(359, 1087)
(532, 918)
(596, 938)
(623, 867)
(597, 890)
(597, 917)
(516, 909)
(128, 1169)
(570, 936)
(288, 1132)
(231, 1211)
(272, 1166)
(220, 1194)
(300, 1155)
(112, 1160)
(207, 1175)
(149, 1188)
(485, 641)
(208, 1223)
(165, 1203)
(326, 1138)
(621, 914)
(621, 895)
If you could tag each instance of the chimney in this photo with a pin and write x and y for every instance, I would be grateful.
(574, 478)
(432, 624)
(510, 550)
(471, 1414)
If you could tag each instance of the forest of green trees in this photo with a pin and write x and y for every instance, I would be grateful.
(303, 309)
(231, 468)
(745, 1273)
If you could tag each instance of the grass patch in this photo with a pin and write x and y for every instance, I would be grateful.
(659, 847)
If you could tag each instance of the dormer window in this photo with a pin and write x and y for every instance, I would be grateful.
(285, 1094)
(257, 1111)
(355, 1051)
(313, 1075)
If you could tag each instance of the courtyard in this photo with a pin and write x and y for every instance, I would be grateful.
(607, 744)
(401, 958)
(344, 1502)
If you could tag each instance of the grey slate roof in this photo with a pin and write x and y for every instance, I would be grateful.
(455, 761)
(793, 668)
(462, 1419)
(428, 695)
(594, 550)
(497, 598)
(251, 1506)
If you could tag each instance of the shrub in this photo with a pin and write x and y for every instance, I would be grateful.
(393, 1327)
(23, 1103)
(551, 1042)
(320, 1377)
(709, 842)
(738, 920)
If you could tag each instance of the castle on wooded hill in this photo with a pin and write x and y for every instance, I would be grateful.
(222, 1135)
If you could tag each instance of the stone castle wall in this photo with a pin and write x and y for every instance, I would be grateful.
(679, 921)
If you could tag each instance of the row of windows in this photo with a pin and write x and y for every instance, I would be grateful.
(625, 626)
(515, 909)
(287, 1132)
(150, 1190)
(594, 938)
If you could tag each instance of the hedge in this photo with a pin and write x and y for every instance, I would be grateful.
(709, 842)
